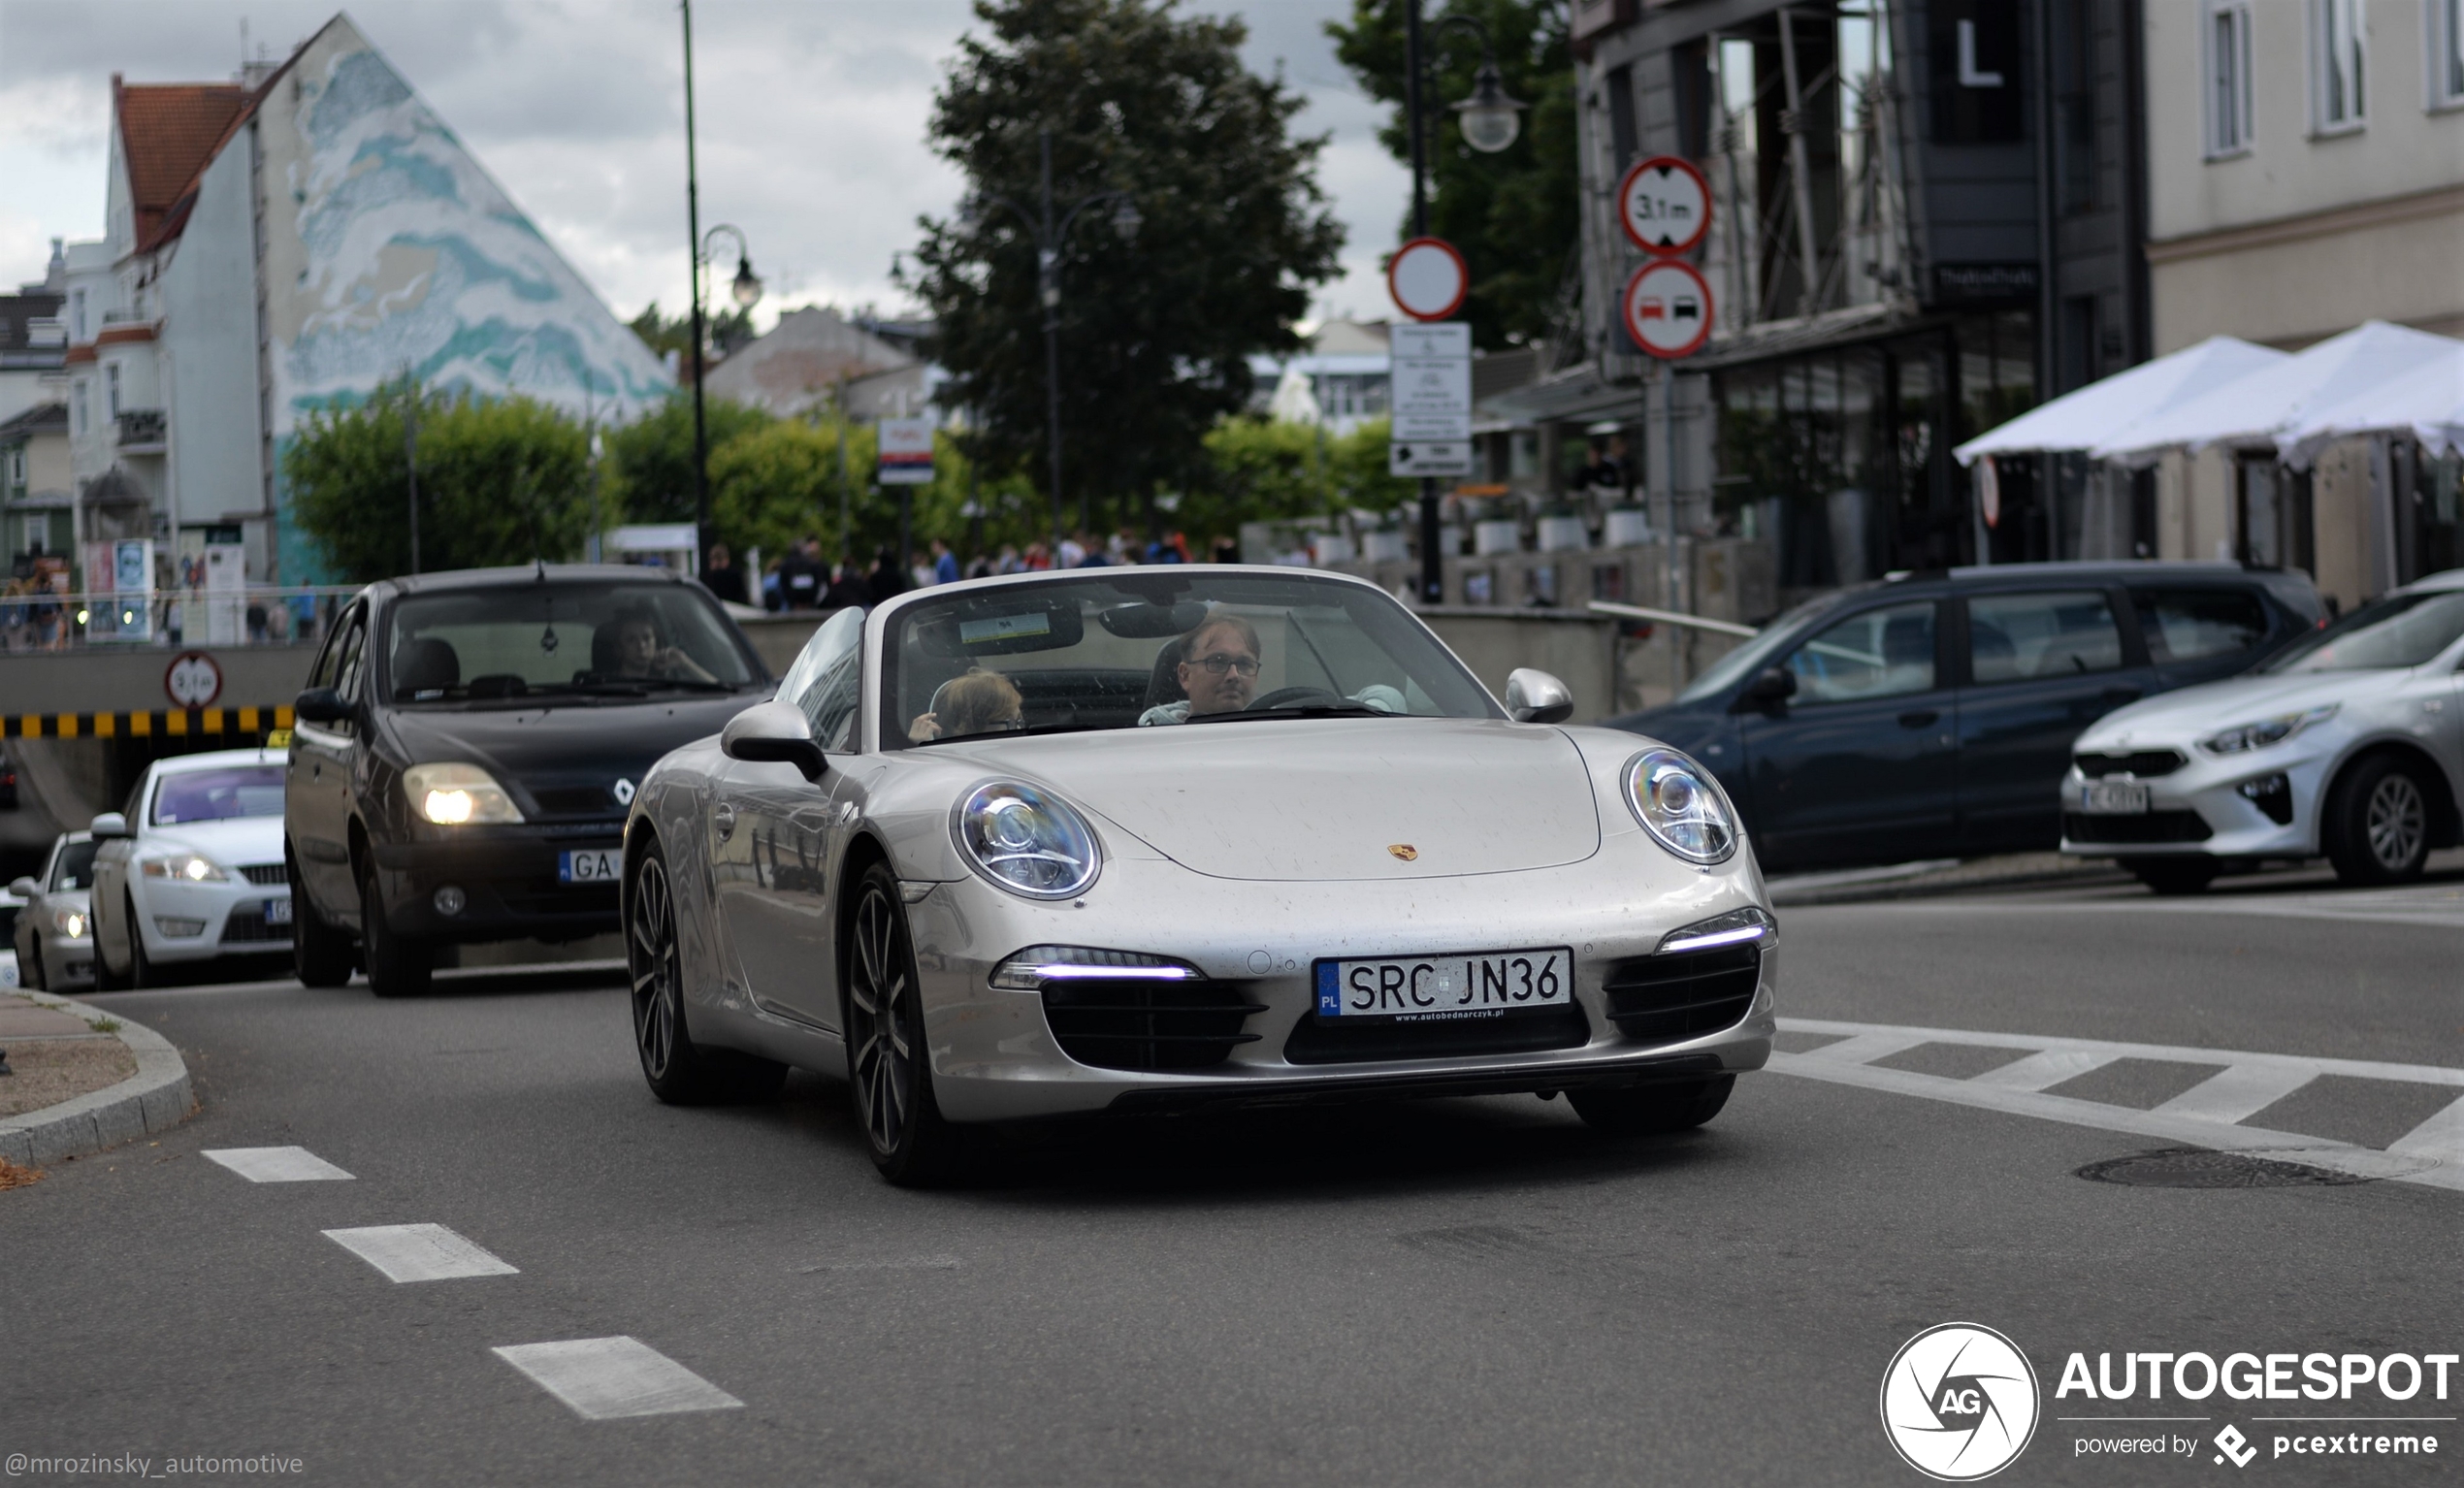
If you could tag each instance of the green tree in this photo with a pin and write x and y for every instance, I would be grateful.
(650, 461)
(1155, 332)
(721, 332)
(1261, 469)
(502, 480)
(1513, 214)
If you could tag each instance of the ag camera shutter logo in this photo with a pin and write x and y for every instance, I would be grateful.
(1960, 1402)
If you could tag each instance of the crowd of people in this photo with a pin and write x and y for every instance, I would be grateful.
(803, 579)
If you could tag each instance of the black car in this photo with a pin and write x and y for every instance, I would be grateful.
(1930, 715)
(466, 749)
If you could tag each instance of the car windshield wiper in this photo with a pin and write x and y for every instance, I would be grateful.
(1297, 710)
(1010, 733)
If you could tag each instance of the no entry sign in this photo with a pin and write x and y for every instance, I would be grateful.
(1665, 204)
(1668, 309)
(1428, 279)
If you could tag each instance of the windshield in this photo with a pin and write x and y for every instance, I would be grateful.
(75, 867)
(1161, 648)
(526, 640)
(219, 796)
(2400, 631)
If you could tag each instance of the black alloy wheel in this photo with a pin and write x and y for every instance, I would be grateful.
(1642, 1110)
(2187, 874)
(888, 1075)
(321, 953)
(398, 965)
(678, 1070)
(2376, 824)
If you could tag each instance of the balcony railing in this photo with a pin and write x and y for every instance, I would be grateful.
(141, 429)
(35, 619)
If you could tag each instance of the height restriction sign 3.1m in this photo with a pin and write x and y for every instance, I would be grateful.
(1668, 309)
(1665, 204)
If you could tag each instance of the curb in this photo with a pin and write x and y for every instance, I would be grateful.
(156, 1098)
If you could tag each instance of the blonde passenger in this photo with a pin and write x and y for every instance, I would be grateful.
(979, 702)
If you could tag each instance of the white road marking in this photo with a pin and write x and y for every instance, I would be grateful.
(1864, 1048)
(2432, 1154)
(2044, 1069)
(2441, 1137)
(419, 1252)
(2238, 1093)
(2435, 905)
(276, 1164)
(605, 1379)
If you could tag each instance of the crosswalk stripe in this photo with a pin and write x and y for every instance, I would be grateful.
(606, 1380)
(2238, 1092)
(2441, 1137)
(276, 1164)
(1866, 1048)
(2042, 1070)
(419, 1252)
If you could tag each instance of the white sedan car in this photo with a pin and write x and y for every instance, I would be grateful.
(192, 871)
(2350, 745)
(1165, 838)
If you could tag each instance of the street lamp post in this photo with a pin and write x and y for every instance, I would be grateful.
(1490, 122)
(1050, 236)
(747, 289)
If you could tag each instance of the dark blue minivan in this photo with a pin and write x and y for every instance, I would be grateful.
(1931, 715)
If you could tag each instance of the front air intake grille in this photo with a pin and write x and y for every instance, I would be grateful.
(2145, 763)
(2153, 826)
(264, 873)
(576, 802)
(246, 927)
(1661, 999)
(1317, 1039)
(1131, 1024)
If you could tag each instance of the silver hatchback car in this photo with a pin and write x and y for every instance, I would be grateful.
(2347, 745)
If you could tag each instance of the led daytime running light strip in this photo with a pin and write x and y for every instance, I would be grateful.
(1743, 933)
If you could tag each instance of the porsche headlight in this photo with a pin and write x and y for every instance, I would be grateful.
(70, 923)
(184, 869)
(1027, 841)
(2266, 731)
(1680, 807)
(457, 794)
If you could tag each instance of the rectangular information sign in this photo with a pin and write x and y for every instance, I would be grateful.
(906, 452)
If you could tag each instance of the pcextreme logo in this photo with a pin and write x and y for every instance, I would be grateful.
(1960, 1402)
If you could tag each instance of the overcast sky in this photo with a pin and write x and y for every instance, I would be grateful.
(811, 122)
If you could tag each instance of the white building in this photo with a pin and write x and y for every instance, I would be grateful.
(283, 244)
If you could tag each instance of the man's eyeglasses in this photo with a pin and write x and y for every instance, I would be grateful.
(1223, 661)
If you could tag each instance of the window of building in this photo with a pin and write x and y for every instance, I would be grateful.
(2336, 65)
(2075, 138)
(2228, 80)
(2445, 52)
(76, 406)
(77, 316)
(16, 467)
(1623, 140)
(110, 389)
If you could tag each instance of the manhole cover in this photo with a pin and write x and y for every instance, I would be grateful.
(2190, 1167)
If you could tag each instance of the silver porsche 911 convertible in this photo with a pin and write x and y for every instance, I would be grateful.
(1159, 838)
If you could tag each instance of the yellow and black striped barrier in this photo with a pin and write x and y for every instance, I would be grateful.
(176, 724)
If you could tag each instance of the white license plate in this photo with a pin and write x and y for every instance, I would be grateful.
(587, 866)
(1476, 983)
(2113, 798)
(277, 911)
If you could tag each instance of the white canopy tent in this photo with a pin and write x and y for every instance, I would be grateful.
(2109, 409)
(2372, 360)
(2428, 404)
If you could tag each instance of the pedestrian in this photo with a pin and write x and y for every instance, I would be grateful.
(847, 586)
(771, 599)
(1090, 552)
(801, 575)
(722, 577)
(1038, 558)
(945, 564)
(1224, 550)
(1009, 562)
(1071, 555)
(885, 583)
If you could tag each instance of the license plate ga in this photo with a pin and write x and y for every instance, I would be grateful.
(1458, 984)
(2113, 798)
(587, 865)
(277, 911)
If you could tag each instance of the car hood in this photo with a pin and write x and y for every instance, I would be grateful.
(2195, 713)
(233, 843)
(1327, 799)
(534, 748)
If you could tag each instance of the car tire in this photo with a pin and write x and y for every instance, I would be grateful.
(1642, 1111)
(678, 1070)
(142, 970)
(398, 965)
(889, 1076)
(105, 980)
(321, 953)
(2171, 876)
(34, 969)
(2375, 822)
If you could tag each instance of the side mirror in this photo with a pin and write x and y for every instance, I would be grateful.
(321, 705)
(24, 888)
(1771, 686)
(1534, 697)
(775, 733)
(109, 824)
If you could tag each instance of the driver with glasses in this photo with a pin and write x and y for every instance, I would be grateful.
(1219, 671)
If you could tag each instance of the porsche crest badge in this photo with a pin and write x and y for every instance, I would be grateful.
(1404, 850)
